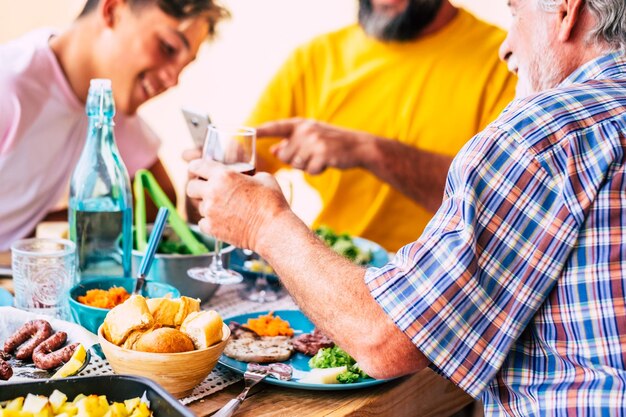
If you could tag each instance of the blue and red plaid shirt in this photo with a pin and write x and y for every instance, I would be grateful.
(516, 289)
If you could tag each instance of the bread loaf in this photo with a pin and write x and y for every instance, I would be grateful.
(203, 327)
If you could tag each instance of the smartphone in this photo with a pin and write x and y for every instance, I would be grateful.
(198, 124)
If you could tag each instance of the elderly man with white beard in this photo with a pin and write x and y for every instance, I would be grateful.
(515, 290)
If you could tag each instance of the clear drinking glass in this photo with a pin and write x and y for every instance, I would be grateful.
(44, 270)
(234, 147)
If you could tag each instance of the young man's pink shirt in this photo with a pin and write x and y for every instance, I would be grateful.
(43, 128)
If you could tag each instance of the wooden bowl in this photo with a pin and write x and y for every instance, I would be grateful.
(178, 373)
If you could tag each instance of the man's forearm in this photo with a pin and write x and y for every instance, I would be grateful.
(332, 293)
(418, 174)
(252, 213)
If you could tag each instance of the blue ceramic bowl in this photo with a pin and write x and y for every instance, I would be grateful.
(92, 317)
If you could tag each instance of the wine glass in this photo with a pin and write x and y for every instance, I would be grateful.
(234, 147)
(260, 290)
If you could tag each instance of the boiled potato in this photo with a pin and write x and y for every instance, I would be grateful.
(92, 406)
(14, 413)
(142, 410)
(117, 410)
(131, 404)
(57, 399)
(35, 404)
(15, 404)
(82, 406)
(69, 409)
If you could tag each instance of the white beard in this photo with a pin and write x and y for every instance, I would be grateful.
(544, 70)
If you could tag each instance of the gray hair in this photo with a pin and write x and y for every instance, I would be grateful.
(610, 16)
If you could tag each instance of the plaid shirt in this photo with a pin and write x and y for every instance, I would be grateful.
(516, 289)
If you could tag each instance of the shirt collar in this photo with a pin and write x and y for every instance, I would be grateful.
(612, 65)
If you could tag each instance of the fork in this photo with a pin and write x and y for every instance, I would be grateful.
(251, 378)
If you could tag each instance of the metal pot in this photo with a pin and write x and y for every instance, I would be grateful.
(172, 269)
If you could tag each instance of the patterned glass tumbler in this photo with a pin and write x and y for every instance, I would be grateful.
(44, 270)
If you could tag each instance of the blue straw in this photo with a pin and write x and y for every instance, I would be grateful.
(153, 242)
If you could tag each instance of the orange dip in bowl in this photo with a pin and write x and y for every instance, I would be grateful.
(104, 298)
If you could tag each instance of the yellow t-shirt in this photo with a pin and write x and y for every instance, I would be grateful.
(434, 93)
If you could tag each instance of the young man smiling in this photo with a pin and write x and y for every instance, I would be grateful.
(141, 45)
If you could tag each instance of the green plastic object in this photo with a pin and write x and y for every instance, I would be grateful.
(145, 180)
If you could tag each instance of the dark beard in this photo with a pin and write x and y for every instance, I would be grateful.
(404, 27)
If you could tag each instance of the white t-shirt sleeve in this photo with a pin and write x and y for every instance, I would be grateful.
(137, 142)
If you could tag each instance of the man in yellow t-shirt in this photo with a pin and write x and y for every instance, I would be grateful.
(394, 98)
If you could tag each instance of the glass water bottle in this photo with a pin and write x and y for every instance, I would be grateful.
(100, 207)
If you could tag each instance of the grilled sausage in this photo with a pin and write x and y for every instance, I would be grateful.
(36, 330)
(46, 356)
(6, 371)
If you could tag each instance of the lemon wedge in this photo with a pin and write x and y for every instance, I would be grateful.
(72, 366)
(323, 375)
(258, 266)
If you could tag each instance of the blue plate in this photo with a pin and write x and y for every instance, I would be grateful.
(6, 299)
(379, 259)
(298, 361)
(379, 254)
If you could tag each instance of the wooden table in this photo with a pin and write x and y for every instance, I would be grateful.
(423, 394)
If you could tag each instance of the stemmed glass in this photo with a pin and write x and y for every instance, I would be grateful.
(234, 147)
(261, 290)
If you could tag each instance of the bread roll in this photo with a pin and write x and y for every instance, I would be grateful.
(131, 315)
(187, 305)
(172, 312)
(164, 310)
(164, 340)
(132, 339)
(204, 328)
